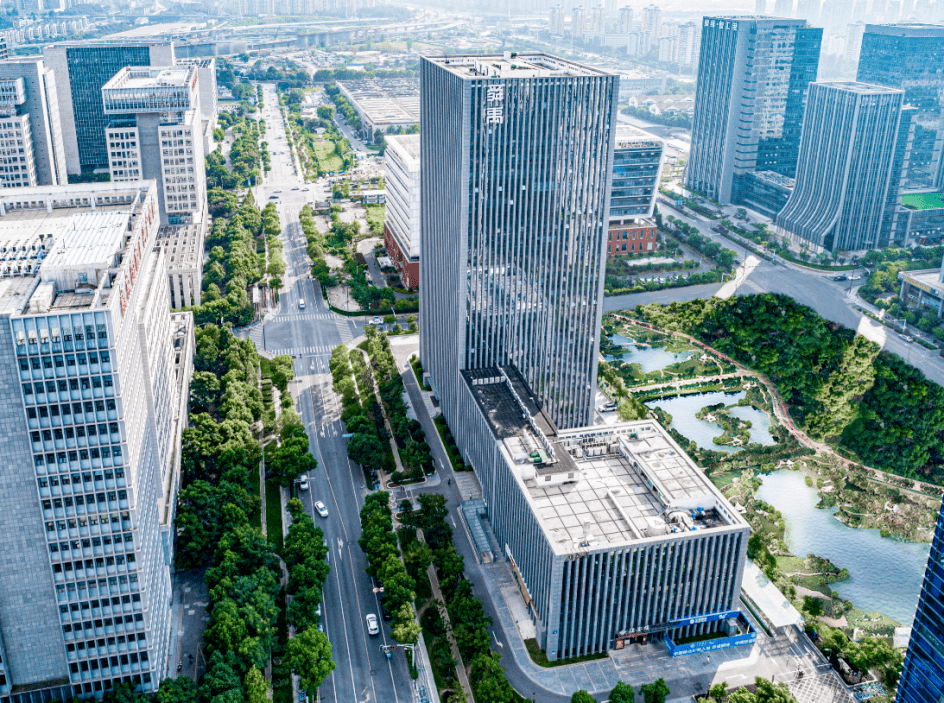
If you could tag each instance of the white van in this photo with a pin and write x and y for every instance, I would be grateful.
(301, 303)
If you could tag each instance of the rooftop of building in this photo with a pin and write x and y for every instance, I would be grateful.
(151, 77)
(756, 18)
(929, 280)
(183, 244)
(514, 65)
(404, 144)
(857, 87)
(628, 136)
(906, 29)
(923, 201)
(395, 100)
(59, 243)
(597, 487)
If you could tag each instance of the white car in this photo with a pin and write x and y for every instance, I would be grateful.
(322, 510)
(303, 482)
(373, 626)
(376, 320)
(278, 191)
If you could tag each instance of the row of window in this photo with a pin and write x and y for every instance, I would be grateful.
(106, 455)
(76, 410)
(68, 334)
(104, 663)
(90, 502)
(62, 550)
(69, 360)
(138, 640)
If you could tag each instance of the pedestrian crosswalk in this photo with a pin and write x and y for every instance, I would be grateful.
(303, 316)
(322, 350)
(344, 329)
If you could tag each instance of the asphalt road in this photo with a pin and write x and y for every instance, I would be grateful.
(363, 673)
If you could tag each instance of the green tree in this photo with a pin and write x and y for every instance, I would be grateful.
(406, 629)
(256, 686)
(622, 693)
(655, 692)
(309, 656)
(581, 696)
(179, 690)
(204, 389)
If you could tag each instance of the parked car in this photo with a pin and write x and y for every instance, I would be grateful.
(322, 510)
(303, 482)
(373, 625)
(383, 611)
(907, 338)
(841, 277)
(608, 407)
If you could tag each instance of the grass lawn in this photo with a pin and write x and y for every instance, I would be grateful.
(328, 159)
(274, 514)
(923, 201)
(376, 214)
(540, 658)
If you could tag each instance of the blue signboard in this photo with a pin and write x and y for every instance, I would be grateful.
(680, 650)
(699, 619)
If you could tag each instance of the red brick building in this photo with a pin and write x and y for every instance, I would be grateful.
(408, 269)
(631, 238)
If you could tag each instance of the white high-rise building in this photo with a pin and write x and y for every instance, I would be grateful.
(556, 20)
(32, 152)
(402, 226)
(652, 21)
(689, 43)
(578, 22)
(164, 136)
(93, 400)
(853, 46)
(760, 7)
(625, 20)
(598, 20)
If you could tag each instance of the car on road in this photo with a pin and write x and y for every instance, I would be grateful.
(373, 626)
(854, 278)
(295, 188)
(384, 613)
(322, 510)
(907, 338)
(303, 482)
(301, 303)
(278, 191)
(304, 190)
(376, 320)
(841, 277)
(273, 197)
(608, 407)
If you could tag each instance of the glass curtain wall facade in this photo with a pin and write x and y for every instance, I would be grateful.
(847, 184)
(922, 680)
(753, 77)
(517, 167)
(911, 57)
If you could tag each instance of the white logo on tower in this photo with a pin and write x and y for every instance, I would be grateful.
(495, 100)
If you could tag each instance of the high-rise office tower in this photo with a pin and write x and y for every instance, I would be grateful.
(511, 299)
(610, 9)
(625, 20)
(753, 76)
(93, 405)
(156, 134)
(652, 21)
(911, 57)
(33, 153)
(849, 171)
(81, 70)
(209, 109)
(520, 280)
(922, 679)
(783, 8)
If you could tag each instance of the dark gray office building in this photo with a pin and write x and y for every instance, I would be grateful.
(753, 77)
(81, 70)
(849, 172)
(911, 57)
(517, 164)
(612, 533)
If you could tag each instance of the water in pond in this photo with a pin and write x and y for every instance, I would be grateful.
(886, 575)
(684, 408)
(649, 358)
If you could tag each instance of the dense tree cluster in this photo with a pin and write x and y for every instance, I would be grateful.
(765, 692)
(689, 235)
(343, 105)
(292, 76)
(411, 440)
(233, 264)
(365, 447)
(272, 228)
(327, 75)
(315, 246)
(379, 542)
(468, 618)
(840, 387)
